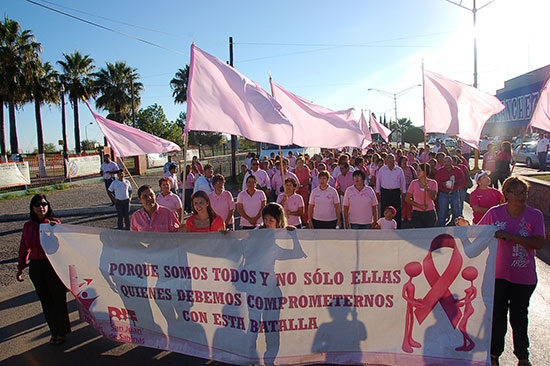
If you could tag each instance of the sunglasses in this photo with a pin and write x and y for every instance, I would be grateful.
(40, 204)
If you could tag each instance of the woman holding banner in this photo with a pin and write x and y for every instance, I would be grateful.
(204, 219)
(49, 288)
(520, 233)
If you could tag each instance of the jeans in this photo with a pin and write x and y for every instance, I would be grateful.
(107, 183)
(461, 198)
(423, 219)
(446, 199)
(515, 297)
(360, 226)
(542, 160)
(123, 214)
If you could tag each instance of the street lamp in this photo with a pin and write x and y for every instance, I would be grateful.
(394, 95)
(86, 130)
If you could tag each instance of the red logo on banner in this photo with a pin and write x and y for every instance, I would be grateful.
(122, 314)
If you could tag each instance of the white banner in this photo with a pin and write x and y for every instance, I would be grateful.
(83, 165)
(155, 160)
(406, 297)
(14, 174)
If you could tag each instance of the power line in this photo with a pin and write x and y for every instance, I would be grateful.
(106, 28)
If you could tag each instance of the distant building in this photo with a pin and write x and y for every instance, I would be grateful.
(519, 96)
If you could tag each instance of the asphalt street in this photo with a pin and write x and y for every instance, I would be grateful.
(24, 333)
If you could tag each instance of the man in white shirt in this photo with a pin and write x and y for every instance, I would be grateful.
(262, 178)
(542, 150)
(120, 192)
(204, 182)
(108, 170)
(391, 187)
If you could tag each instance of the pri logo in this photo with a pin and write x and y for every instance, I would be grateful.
(122, 314)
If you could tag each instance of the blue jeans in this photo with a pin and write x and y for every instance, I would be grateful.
(542, 160)
(446, 199)
(461, 199)
(360, 226)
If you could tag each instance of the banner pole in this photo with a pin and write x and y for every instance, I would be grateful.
(424, 118)
(127, 171)
(185, 141)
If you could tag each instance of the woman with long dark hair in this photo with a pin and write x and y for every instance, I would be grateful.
(502, 164)
(49, 288)
(204, 219)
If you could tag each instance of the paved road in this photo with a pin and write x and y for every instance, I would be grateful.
(24, 333)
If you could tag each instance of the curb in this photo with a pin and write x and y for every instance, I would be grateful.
(83, 211)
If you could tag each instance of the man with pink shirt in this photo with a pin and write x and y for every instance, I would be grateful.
(152, 217)
(391, 187)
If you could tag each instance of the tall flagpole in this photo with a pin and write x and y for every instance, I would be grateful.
(280, 151)
(424, 118)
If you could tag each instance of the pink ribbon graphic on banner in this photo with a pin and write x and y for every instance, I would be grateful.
(440, 284)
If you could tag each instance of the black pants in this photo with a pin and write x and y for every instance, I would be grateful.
(123, 214)
(422, 219)
(318, 224)
(52, 294)
(188, 205)
(515, 297)
(391, 197)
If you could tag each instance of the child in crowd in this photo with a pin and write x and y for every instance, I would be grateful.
(120, 192)
(273, 216)
(387, 222)
(240, 176)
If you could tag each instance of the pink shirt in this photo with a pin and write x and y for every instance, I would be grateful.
(344, 181)
(222, 203)
(163, 220)
(360, 204)
(277, 182)
(323, 202)
(419, 196)
(170, 201)
(315, 182)
(190, 181)
(251, 205)
(489, 162)
(515, 263)
(485, 198)
(387, 224)
(293, 203)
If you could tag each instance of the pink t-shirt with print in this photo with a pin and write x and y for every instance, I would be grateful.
(251, 205)
(222, 203)
(170, 201)
(515, 263)
(293, 203)
(486, 198)
(421, 197)
(360, 204)
(324, 201)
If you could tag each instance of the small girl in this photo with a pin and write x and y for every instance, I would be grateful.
(273, 216)
(387, 222)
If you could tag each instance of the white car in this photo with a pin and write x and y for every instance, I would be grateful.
(528, 155)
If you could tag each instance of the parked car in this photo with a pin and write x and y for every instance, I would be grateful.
(528, 155)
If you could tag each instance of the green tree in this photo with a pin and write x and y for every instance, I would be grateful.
(17, 47)
(113, 84)
(89, 145)
(199, 137)
(153, 120)
(48, 148)
(77, 71)
(179, 85)
(413, 135)
(399, 127)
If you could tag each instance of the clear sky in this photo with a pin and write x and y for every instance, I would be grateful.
(330, 52)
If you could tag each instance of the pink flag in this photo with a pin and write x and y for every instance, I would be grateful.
(129, 141)
(376, 127)
(367, 137)
(220, 99)
(541, 115)
(457, 109)
(317, 126)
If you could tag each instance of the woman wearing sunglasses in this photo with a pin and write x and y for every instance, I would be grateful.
(49, 288)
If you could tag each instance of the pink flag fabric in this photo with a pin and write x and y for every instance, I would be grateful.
(367, 137)
(220, 99)
(317, 126)
(129, 141)
(457, 109)
(541, 116)
(377, 127)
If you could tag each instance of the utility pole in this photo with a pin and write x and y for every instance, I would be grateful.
(233, 137)
(133, 108)
(64, 129)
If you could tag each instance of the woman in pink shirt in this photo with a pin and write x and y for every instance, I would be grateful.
(360, 204)
(502, 163)
(250, 204)
(222, 201)
(204, 219)
(292, 203)
(421, 195)
(484, 197)
(489, 162)
(189, 185)
(304, 176)
(520, 233)
(166, 198)
(324, 205)
(410, 175)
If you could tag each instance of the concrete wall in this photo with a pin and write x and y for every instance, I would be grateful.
(222, 164)
(539, 194)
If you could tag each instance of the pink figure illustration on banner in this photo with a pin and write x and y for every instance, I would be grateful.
(77, 289)
(412, 269)
(469, 274)
(440, 284)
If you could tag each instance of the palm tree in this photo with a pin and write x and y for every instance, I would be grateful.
(17, 48)
(43, 88)
(3, 98)
(114, 84)
(179, 85)
(77, 71)
(400, 127)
